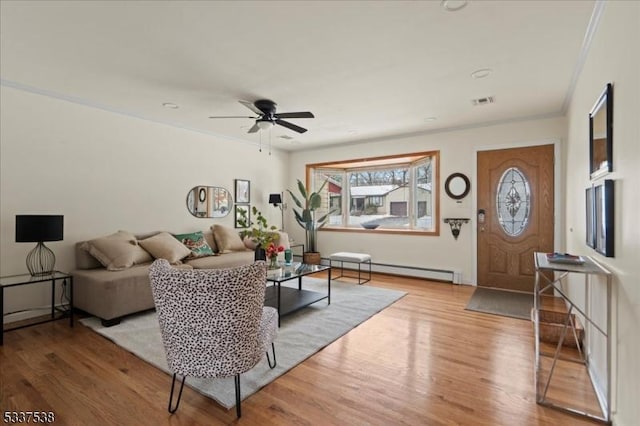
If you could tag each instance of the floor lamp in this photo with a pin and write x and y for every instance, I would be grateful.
(276, 200)
(38, 229)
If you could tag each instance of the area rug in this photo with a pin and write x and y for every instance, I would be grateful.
(501, 302)
(300, 335)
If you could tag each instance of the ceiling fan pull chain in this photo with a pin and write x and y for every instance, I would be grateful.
(260, 141)
(270, 141)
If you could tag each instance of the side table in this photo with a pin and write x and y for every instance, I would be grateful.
(26, 279)
(589, 268)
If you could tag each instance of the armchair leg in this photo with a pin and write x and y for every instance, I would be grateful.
(273, 348)
(173, 382)
(238, 410)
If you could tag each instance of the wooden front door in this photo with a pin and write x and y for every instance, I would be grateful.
(515, 192)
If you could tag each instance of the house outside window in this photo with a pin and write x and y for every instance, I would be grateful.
(392, 194)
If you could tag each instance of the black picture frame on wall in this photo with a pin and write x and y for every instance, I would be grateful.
(604, 223)
(237, 215)
(242, 191)
(601, 134)
(589, 214)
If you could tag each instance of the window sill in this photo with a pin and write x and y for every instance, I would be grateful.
(434, 233)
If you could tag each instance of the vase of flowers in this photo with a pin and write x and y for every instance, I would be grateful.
(272, 251)
(261, 234)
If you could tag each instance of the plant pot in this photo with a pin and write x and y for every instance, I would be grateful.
(311, 258)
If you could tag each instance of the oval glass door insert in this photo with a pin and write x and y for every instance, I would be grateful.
(513, 202)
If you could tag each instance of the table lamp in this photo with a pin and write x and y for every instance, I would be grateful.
(276, 200)
(38, 229)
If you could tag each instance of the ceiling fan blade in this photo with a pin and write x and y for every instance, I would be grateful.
(254, 128)
(252, 107)
(291, 126)
(233, 116)
(305, 114)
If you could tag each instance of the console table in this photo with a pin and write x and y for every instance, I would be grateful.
(26, 279)
(561, 270)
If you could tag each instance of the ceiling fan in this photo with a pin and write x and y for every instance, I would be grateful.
(267, 116)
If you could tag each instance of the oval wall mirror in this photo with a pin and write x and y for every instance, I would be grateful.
(457, 186)
(209, 201)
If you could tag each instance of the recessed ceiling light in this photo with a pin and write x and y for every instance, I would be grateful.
(170, 105)
(430, 119)
(481, 73)
(453, 5)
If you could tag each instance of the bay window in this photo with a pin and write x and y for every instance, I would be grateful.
(391, 194)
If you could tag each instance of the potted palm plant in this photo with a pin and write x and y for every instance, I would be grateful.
(307, 205)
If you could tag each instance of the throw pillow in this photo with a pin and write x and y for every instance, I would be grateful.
(117, 251)
(249, 243)
(165, 246)
(227, 239)
(196, 243)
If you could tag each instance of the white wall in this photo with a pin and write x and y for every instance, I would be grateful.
(457, 154)
(104, 172)
(614, 57)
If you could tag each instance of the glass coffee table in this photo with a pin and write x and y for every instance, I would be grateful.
(290, 299)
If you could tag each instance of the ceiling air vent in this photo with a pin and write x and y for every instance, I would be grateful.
(483, 101)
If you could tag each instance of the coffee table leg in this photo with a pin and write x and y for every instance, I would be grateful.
(329, 287)
(278, 302)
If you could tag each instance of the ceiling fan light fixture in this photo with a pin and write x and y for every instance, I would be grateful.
(264, 124)
(453, 5)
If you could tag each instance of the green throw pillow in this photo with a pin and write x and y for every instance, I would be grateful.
(196, 243)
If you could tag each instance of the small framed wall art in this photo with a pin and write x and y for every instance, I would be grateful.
(243, 191)
(589, 215)
(242, 212)
(604, 229)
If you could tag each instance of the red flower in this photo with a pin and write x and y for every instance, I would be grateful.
(272, 250)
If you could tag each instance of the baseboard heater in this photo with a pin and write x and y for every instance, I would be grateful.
(451, 276)
(416, 271)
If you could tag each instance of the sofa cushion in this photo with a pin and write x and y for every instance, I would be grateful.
(195, 242)
(227, 260)
(227, 239)
(165, 246)
(117, 251)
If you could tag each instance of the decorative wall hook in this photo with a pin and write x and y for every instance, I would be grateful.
(456, 224)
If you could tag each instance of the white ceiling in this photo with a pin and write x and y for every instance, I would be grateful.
(367, 70)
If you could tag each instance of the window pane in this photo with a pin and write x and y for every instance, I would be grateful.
(424, 195)
(379, 198)
(331, 194)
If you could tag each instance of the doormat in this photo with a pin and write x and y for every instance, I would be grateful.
(507, 303)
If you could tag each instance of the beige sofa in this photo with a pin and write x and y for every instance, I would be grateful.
(110, 294)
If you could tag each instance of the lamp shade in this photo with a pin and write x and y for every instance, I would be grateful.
(39, 228)
(275, 199)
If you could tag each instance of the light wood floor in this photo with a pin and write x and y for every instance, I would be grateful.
(422, 361)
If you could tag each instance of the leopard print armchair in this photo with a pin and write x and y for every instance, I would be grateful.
(213, 322)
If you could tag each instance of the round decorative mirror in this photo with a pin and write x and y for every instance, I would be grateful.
(209, 201)
(457, 186)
